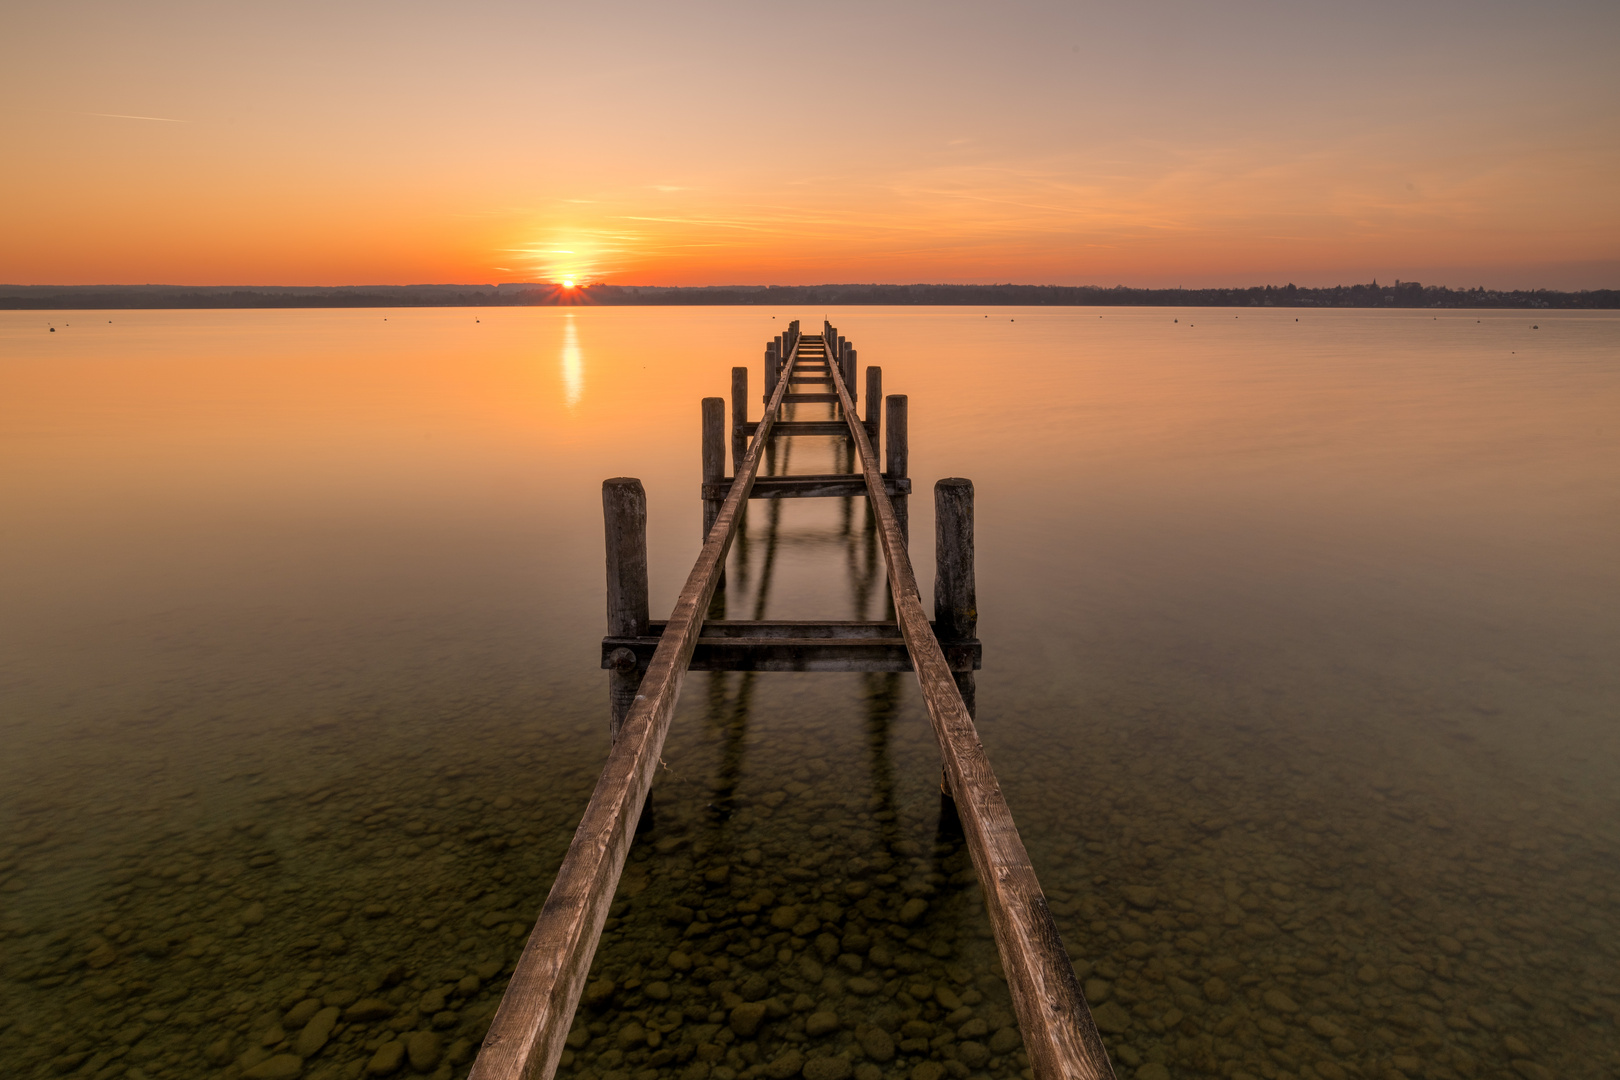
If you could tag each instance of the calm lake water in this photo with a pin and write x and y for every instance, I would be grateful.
(1300, 634)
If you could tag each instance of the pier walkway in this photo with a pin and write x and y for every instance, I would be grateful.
(647, 662)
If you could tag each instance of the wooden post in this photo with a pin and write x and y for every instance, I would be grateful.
(624, 518)
(956, 605)
(874, 402)
(739, 416)
(770, 370)
(850, 368)
(714, 455)
(899, 458)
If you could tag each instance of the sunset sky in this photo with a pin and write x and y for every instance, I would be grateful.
(1150, 144)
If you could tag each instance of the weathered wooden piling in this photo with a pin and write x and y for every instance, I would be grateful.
(771, 371)
(624, 516)
(956, 602)
(874, 402)
(739, 415)
(714, 454)
(898, 454)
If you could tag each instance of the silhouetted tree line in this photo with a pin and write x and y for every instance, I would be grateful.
(1402, 294)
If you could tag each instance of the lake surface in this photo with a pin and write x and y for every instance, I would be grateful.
(1300, 637)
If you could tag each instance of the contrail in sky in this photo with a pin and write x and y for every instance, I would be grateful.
(124, 116)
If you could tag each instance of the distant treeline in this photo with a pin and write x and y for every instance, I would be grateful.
(1402, 294)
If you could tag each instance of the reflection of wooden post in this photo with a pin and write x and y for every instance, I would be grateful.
(624, 517)
(898, 459)
(770, 371)
(874, 403)
(956, 604)
(739, 416)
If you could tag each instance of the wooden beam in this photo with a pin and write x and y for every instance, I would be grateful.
(820, 486)
(807, 427)
(526, 1037)
(1059, 1035)
(720, 653)
(808, 399)
(759, 629)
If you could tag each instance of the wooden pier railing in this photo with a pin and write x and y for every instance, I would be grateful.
(647, 661)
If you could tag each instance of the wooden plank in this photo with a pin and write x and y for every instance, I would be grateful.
(526, 1037)
(1059, 1035)
(784, 628)
(836, 428)
(820, 486)
(797, 654)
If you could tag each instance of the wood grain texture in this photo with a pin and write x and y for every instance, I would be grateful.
(956, 597)
(714, 455)
(896, 434)
(624, 528)
(526, 1037)
(1059, 1035)
(739, 415)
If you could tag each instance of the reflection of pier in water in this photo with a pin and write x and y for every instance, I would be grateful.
(647, 662)
(729, 711)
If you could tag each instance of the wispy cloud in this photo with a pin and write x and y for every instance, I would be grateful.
(126, 116)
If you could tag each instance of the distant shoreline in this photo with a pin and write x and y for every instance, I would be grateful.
(1402, 294)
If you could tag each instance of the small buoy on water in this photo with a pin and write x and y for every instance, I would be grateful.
(1535, 328)
(53, 329)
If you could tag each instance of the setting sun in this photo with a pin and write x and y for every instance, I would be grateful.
(568, 283)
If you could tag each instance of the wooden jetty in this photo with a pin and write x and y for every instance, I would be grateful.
(647, 661)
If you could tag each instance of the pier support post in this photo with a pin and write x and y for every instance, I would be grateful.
(898, 457)
(770, 372)
(850, 368)
(956, 604)
(714, 455)
(739, 416)
(874, 403)
(624, 519)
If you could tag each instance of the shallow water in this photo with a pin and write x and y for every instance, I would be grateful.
(1300, 678)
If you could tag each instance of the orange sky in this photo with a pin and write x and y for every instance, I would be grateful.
(1157, 144)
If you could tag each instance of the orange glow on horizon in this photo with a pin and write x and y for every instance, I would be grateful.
(164, 149)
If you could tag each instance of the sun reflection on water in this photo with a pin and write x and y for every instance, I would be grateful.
(573, 364)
